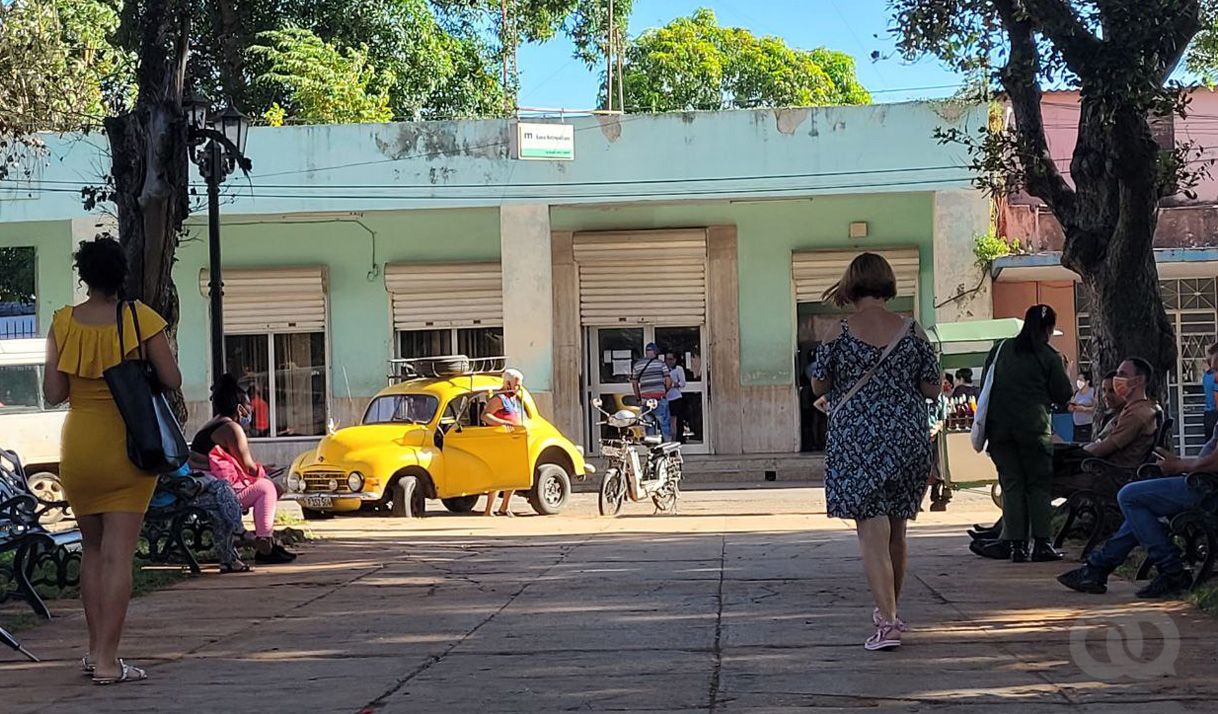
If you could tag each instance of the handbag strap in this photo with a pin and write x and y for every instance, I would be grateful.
(135, 320)
(862, 381)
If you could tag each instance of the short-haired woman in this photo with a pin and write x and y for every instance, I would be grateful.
(108, 493)
(878, 374)
(1029, 378)
(504, 409)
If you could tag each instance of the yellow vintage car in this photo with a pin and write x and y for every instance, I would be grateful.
(423, 438)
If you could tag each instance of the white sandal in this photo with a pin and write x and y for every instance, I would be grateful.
(127, 673)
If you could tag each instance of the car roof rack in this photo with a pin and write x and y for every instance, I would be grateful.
(444, 367)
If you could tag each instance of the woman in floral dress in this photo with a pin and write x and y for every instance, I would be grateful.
(877, 375)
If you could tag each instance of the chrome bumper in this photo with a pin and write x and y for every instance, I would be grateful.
(363, 496)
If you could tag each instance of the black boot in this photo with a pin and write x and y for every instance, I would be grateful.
(1166, 585)
(1085, 580)
(1019, 551)
(1043, 552)
(992, 549)
(991, 533)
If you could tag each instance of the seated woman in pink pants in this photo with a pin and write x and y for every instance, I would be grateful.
(221, 448)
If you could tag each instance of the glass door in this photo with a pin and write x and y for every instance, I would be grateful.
(614, 352)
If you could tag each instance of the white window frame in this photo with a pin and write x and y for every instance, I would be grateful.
(272, 380)
(452, 337)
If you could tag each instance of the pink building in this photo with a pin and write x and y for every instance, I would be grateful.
(1186, 250)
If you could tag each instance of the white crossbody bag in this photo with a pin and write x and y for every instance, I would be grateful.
(977, 437)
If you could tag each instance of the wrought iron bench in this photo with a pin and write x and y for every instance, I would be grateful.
(1095, 511)
(39, 557)
(1196, 531)
(175, 530)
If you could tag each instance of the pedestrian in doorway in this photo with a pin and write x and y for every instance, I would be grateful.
(652, 379)
(504, 409)
(678, 408)
(878, 373)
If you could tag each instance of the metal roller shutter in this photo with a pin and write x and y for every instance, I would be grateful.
(261, 300)
(655, 277)
(815, 271)
(427, 295)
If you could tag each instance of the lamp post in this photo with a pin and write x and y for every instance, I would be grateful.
(217, 146)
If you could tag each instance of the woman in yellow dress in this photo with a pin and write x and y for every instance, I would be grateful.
(107, 492)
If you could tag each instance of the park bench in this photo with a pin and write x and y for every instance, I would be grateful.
(1095, 512)
(175, 529)
(1195, 530)
(39, 557)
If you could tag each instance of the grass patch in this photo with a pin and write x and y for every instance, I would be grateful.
(1205, 598)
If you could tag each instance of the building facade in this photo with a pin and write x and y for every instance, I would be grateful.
(712, 234)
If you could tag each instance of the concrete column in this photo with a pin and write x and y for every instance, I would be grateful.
(961, 288)
(528, 297)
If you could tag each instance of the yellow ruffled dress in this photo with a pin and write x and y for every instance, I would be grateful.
(96, 473)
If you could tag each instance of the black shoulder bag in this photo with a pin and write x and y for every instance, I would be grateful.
(155, 442)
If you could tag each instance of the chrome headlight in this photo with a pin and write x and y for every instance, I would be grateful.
(623, 419)
(295, 483)
(355, 481)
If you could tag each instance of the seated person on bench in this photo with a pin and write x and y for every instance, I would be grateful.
(1148, 506)
(1125, 441)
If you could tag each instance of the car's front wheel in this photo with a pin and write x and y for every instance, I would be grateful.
(462, 504)
(551, 489)
(407, 499)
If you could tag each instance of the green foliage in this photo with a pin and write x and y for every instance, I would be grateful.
(991, 247)
(57, 71)
(320, 83)
(1202, 57)
(695, 64)
(17, 281)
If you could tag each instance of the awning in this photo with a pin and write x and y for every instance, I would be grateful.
(974, 330)
(966, 344)
(1173, 263)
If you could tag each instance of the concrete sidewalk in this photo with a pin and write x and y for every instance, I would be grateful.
(741, 602)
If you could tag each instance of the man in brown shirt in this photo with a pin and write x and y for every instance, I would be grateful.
(1127, 439)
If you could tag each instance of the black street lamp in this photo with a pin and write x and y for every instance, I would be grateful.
(217, 142)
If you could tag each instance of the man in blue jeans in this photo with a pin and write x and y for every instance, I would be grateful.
(1144, 503)
(652, 379)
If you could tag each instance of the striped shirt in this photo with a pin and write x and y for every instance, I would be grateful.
(650, 373)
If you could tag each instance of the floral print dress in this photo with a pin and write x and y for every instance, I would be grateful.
(878, 457)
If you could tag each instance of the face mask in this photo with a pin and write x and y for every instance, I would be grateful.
(1121, 386)
(245, 420)
(1082, 384)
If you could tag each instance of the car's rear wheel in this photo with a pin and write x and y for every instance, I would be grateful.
(551, 489)
(407, 499)
(462, 504)
(47, 488)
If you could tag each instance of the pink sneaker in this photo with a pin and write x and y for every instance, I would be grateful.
(877, 619)
(886, 637)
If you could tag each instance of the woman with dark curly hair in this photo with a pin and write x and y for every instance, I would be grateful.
(108, 493)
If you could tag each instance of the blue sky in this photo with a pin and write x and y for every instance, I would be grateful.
(550, 77)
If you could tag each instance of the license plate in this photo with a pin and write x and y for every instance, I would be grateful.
(317, 503)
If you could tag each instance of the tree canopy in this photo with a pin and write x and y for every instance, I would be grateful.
(1120, 55)
(320, 83)
(57, 68)
(694, 63)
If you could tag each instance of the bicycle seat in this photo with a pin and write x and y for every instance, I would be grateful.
(655, 440)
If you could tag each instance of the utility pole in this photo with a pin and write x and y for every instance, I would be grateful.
(609, 60)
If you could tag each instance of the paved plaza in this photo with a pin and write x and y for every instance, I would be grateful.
(744, 601)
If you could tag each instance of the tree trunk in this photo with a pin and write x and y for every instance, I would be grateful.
(1128, 320)
(150, 167)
